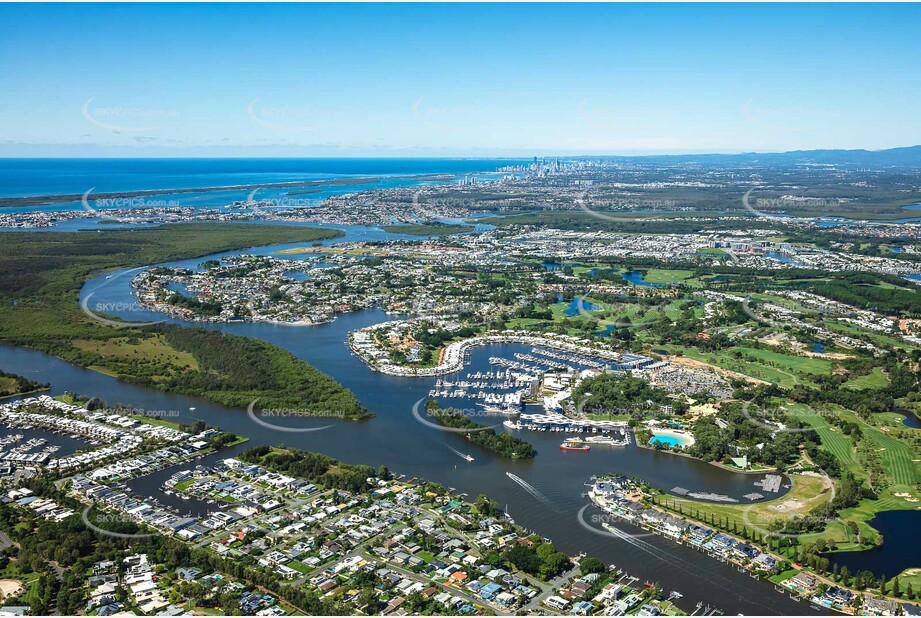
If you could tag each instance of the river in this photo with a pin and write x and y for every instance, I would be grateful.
(407, 447)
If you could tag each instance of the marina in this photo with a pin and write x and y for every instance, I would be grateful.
(395, 439)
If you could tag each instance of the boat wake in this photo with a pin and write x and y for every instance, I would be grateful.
(649, 548)
(534, 492)
(458, 453)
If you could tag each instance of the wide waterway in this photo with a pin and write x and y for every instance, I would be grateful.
(395, 439)
(549, 507)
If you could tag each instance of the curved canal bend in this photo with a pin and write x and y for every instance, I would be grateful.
(395, 439)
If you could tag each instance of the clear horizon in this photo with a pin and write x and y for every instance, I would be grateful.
(455, 81)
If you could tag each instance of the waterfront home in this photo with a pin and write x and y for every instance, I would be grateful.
(672, 525)
(632, 510)
(745, 551)
(802, 582)
(721, 543)
(608, 594)
(880, 607)
(766, 562)
(834, 597)
(627, 603)
(698, 534)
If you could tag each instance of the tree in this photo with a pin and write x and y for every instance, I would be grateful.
(591, 564)
(845, 575)
(557, 563)
(545, 550)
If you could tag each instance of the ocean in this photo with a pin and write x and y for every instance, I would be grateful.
(29, 177)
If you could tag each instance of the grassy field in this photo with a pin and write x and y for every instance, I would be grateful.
(785, 370)
(152, 350)
(832, 439)
(158, 422)
(875, 379)
(899, 474)
(807, 492)
(663, 275)
(8, 386)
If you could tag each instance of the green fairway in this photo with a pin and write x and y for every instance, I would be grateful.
(833, 440)
(875, 379)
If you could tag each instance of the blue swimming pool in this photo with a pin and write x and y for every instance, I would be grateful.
(668, 440)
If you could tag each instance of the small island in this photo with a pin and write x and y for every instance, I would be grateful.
(503, 444)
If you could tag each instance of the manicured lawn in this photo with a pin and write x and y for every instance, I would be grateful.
(784, 370)
(875, 379)
(832, 439)
(662, 275)
(798, 364)
(160, 422)
(808, 491)
(897, 458)
(782, 576)
(299, 566)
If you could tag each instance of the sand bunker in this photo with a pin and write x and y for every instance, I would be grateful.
(9, 587)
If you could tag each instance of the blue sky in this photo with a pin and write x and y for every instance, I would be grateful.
(456, 80)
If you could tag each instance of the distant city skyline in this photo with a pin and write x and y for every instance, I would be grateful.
(456, 80)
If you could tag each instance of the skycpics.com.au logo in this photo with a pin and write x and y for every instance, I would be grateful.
(265, 417)
(603, 524)
(605, 207)
(91, 308)
(122, 119)
(292, 118)
(421, 199)
(450, 413)
(268, 206)
(778, 420)
(774, 207)
(98, 207)
(101, 522)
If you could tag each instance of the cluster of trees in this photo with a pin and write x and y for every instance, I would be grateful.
(12, 384)
(741, 436)
(193, 303)
(487, 507)
(236, 370)
(500, 443)
(312, 467)
(441, 336)
(903, 381)
(542, 559)
(534, 312)
(616, 393)
(863, 290)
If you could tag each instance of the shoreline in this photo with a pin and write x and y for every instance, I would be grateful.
(451, 357)
(63, 198)
(718, 464)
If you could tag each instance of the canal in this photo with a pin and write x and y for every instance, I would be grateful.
(548, 502)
